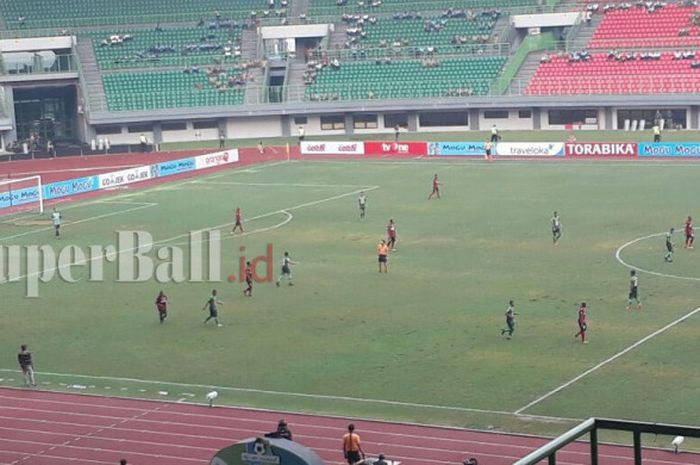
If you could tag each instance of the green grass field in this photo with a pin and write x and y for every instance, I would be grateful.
(421, 343)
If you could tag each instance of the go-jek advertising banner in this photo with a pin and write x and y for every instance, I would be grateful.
(54, 190)
(670, 149)
(457, 149)
(530, 149)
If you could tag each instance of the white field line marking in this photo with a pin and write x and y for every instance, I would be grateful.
(275, 184)
(618, 257)
(289, 217)
(281, 393)
(84, 220)
(607, 361)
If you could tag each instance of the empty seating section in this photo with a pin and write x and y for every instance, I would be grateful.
(167, 89)
(405, 79)
(34, 14)
(600, 75)
(635, 27)
(413, 31)
(332, 7)
(170, 47)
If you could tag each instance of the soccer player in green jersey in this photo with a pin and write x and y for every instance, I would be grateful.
(669, 246)
(510, 320)
(634, 291)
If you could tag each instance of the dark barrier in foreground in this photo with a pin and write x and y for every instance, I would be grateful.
(593, 425)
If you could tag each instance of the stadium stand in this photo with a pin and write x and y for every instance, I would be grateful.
(334, 7)
(429, 31)
(671, 25)
(172, 89)
(617, 73)
(184, 46)
(37, 14)
(430, 77)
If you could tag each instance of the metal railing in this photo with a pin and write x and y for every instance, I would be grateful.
(592, 426)
(63, 63)
(424, 7)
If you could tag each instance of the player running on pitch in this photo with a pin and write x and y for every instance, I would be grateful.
(391, 235)
(286, 269)
(362, 202)
(582, 323)
(510, 320)
(556, 228)
(239, 221)
(56, 221)
(436, 188)
(248, 291)
(213, 304)
(634, 291)
(162, 306)
(689, 234)
(668, 258)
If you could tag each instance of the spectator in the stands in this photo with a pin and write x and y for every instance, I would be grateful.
(546, 58)
(668, 117)
(282, 431)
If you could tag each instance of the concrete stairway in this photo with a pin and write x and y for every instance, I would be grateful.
(295, 81)
(338, 36)
(249, 45)
(525, 73)
(585, 32)
(298, 8)
(91, 75)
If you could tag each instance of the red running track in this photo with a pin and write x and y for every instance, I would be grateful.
(47, 428)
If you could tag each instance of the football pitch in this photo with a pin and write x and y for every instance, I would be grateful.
(421, 343)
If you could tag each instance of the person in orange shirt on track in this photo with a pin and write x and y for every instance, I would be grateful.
(352, 446)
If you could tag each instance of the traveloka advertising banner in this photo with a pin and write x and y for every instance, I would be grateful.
(71, 187)
(169, 168)
(530, 149)
(669, 149)
(601, 149)
(464, 149)
(396, 148)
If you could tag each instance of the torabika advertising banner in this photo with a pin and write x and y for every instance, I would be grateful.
(601, 149)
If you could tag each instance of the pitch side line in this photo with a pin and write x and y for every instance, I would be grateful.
(607, 361)
(294, 394)
(479, 160)
(618, 257)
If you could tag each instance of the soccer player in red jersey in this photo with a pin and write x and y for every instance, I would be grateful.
(248, 280)
(436, 188)
(689, 234)
(162, 306)
(582, 322)
(391, 235)
(239, 221)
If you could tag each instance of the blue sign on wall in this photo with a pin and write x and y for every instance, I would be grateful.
(465, 149)
(669, 149)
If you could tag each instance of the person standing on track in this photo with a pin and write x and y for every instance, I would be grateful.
(212, 303)
(582, 323)
(27, 365)
(162, 306)
(352, 446)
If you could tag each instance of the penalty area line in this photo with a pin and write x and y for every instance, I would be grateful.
(606, 361)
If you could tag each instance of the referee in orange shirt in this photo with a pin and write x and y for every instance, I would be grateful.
(352, 448)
